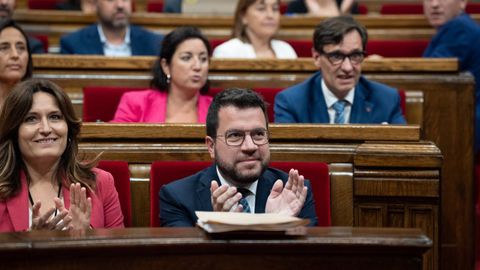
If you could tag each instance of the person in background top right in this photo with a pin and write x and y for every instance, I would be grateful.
(457, 35)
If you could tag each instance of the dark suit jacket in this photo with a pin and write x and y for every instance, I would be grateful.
(36, 46)
(180, 199)
(374, 103)
(87, 41)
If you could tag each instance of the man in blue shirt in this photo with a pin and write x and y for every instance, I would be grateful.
(113, 35)
(458, 35)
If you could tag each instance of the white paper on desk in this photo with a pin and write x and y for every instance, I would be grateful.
(231, 221)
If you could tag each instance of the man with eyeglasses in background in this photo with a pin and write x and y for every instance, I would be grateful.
(338, 94)
(239, 180)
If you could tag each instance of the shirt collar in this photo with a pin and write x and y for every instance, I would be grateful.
(330, 98)
(104, 40)
(251, 187)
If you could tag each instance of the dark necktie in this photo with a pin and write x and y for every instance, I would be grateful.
(243, 201)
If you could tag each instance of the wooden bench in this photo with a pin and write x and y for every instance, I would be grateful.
(445, 114)
(381, 176)
(58, 23)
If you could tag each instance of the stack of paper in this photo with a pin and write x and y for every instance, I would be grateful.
(217, 222)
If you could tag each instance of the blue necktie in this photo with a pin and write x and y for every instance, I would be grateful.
(339, 108)
(243, 201)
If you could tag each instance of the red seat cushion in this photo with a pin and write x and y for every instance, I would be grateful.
(100, 102)
(121, 175)
(164, 172)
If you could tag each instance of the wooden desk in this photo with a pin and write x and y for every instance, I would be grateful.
(188, 248)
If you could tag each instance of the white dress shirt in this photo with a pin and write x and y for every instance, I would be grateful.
(331, 99)
(251, 187)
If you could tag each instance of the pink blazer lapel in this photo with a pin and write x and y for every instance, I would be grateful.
(18, 207)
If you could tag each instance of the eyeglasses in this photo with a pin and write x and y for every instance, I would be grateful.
(336, 57)
(237, 137)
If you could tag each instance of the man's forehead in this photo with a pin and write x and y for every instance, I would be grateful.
(229, 114)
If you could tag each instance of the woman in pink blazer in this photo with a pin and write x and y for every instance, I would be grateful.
(179, 83)
(43, 186)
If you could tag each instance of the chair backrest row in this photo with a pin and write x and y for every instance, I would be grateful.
(164, 172)
(385, 48)
(100, 103)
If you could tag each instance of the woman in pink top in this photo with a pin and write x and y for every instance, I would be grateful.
(43, 185)
(179, 83)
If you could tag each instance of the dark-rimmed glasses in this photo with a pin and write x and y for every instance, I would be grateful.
(236, 137)
(337, 58)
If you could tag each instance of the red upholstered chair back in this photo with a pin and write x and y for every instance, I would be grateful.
(44, 40)
(473, 8)
(401, 8)
(100, 102)
(121, 175)
(417, 8)
(214, 42)
(164, 172)
(317, 173)
(385, 48)
(155, 6)
(397, 48)
(43, 4)
(303, 48)
(362, 9)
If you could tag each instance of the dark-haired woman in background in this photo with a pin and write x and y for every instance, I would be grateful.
(179, 83)
(43, 185)
(15, 57)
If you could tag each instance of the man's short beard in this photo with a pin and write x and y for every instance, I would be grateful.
(231, 174)
(114, 26)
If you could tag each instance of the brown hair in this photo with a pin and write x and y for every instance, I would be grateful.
(238, 30)
(16, 106)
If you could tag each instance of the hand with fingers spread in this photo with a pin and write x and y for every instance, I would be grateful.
(47, 221)
(225, 198)
(287, 200)
(80, 207)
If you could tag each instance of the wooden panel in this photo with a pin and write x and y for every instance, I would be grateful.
(188, 248)
(341, 193)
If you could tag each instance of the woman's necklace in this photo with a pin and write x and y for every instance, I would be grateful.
(58, 196)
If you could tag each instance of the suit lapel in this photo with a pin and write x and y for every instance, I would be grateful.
(264, 186)
(17, 205)
(319, 111)
(136, 41)
(93, 40)
(203, 194)
(362, 108)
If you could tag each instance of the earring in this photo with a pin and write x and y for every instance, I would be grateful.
(168, 78)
